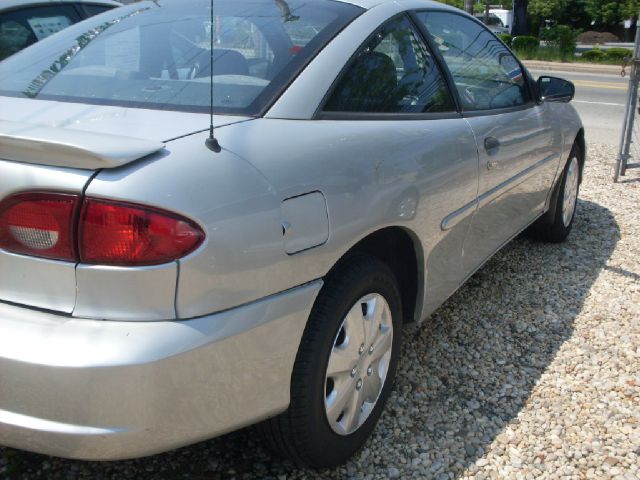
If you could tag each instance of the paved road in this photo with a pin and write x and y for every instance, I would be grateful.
(600, 100)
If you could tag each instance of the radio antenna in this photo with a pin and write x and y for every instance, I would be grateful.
(212, 142)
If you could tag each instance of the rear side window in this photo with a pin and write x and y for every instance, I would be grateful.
(23, 27)
(158, 54)
(393, 73)
(486, 74)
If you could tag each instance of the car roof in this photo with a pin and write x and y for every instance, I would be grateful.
(366, 4)
(402, 4)
(11, 4)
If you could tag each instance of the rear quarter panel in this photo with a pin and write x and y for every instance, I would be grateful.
(233, 203)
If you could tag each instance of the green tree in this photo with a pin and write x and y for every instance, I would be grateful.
(560, 12)
(631, 9)
(455, 3)
(611, 12)
(479, 6)
(547, 9)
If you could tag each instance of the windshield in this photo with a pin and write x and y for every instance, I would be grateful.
(157, 54)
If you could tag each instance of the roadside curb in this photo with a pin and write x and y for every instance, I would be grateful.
(573, 67)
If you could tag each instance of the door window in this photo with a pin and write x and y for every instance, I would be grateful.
(486, 74)
(21, 28)
(393, 73)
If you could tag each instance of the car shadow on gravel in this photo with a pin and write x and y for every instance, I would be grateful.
(464, 376)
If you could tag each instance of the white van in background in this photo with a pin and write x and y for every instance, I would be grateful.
(505, 15)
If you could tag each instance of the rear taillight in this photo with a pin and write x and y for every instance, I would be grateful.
(114, 233)
(40, 224)
(44, 224)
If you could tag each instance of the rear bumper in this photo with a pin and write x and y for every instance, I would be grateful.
(105, 390)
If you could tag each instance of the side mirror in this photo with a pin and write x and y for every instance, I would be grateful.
(553, 89)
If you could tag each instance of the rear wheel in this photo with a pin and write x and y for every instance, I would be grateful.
(345, 366)
(555, 225)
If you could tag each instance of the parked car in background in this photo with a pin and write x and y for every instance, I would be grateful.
(25, 22)
(494, 23)
(184, 254)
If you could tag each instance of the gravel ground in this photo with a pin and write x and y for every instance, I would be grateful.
(532, 370)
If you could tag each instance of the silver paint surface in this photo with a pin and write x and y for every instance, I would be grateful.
(143, 293)
(64, 147)
(514, 180)
(109, 390)
(305, 222)
(152, 125)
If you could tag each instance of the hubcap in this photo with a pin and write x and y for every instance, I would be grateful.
(358, 364)
(570, 192)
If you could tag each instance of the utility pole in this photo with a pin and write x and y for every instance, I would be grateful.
(468, 6)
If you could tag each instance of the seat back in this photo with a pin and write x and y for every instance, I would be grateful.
(225, 62)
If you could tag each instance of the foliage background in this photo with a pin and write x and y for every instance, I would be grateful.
(606, 14)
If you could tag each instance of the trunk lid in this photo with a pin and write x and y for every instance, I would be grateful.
(156, 125)
(57, 146)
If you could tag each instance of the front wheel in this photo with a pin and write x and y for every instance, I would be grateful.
(345, 366)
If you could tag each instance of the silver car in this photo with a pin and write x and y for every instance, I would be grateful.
(216, 218)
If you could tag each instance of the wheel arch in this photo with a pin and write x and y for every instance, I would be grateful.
(400, 249)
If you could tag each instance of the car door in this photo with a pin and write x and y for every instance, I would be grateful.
(394, 89)
(517, 146)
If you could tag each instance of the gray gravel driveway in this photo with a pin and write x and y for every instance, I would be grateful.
(531, 370)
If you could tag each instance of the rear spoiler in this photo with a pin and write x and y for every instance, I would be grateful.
(65, 147)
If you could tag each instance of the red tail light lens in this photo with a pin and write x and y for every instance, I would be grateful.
(40, 224)
(43, 224)
(115, 233)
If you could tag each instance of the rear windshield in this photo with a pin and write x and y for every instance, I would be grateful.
(157, 54)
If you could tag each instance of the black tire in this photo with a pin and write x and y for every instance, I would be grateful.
(303, 432)
(551, 227)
